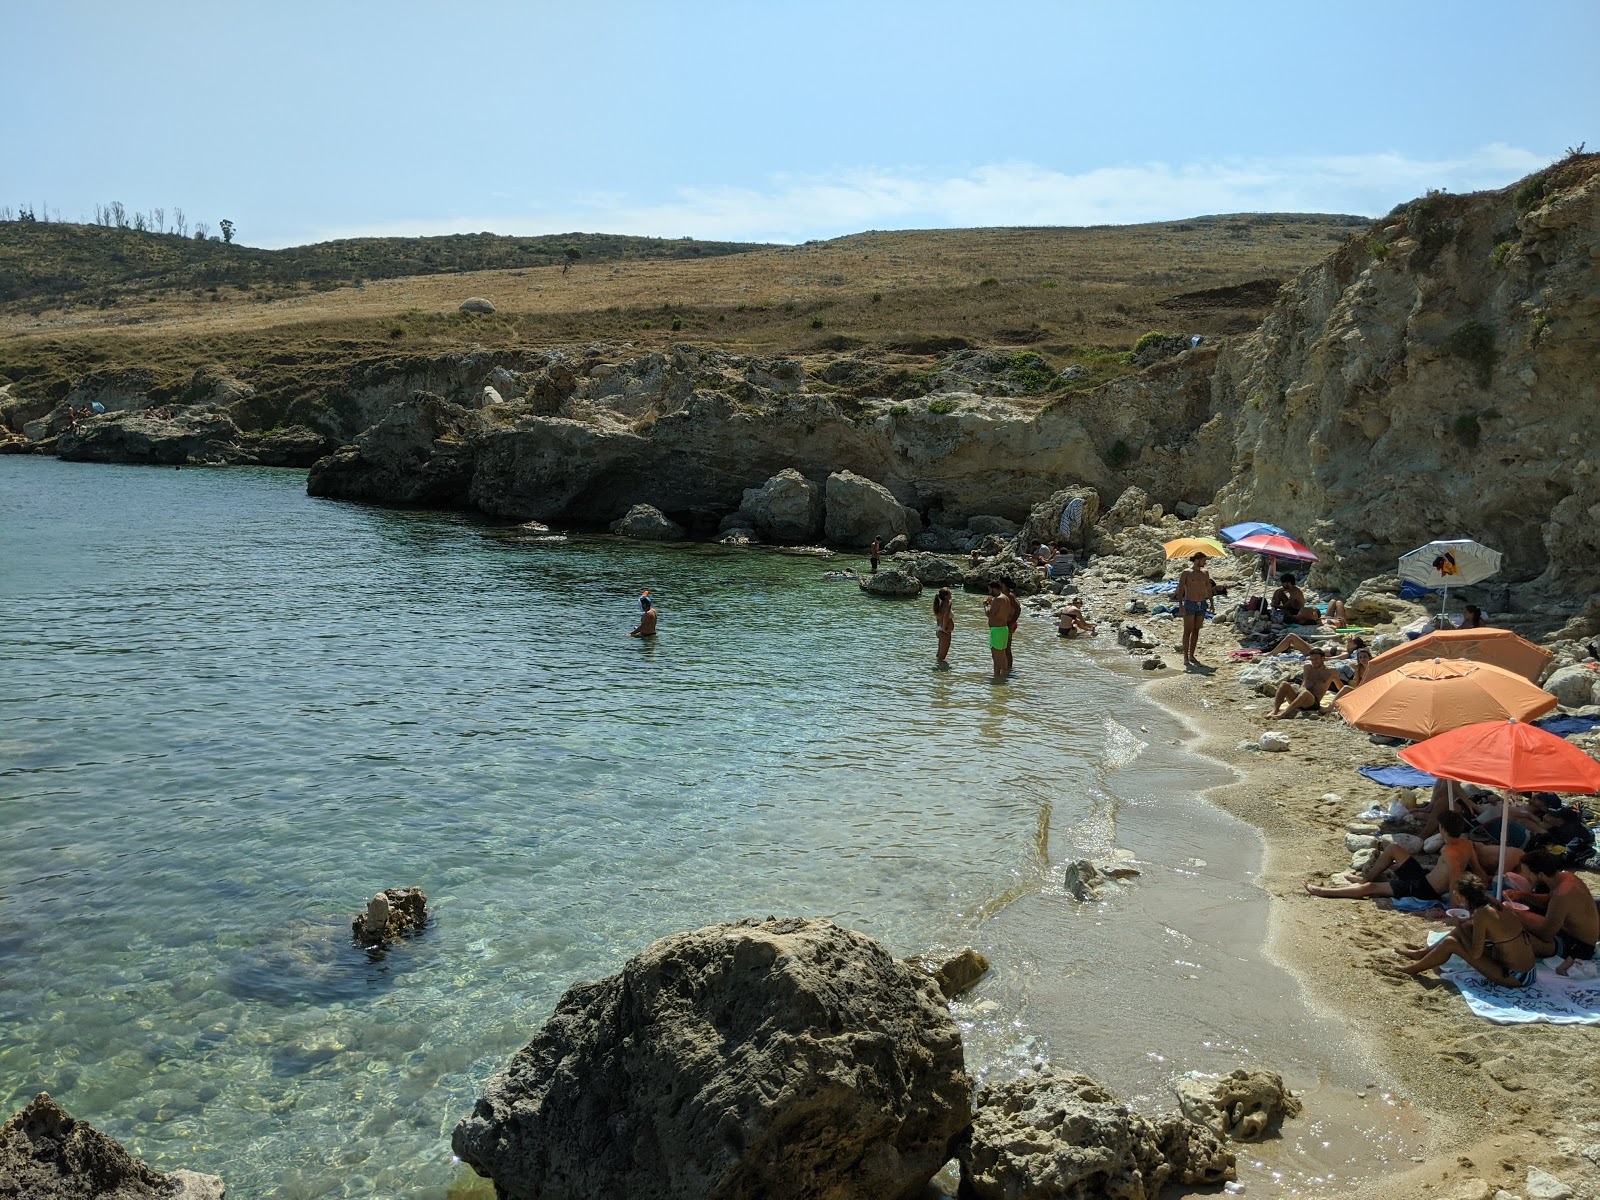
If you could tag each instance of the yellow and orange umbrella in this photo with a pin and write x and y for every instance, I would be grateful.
(1497, 647)
(1421, 699)
(1190, 546)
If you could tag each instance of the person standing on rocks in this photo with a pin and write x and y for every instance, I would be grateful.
(647, 618)
(998, 610)
(944, 622)
(1195, 591)
(877, 549)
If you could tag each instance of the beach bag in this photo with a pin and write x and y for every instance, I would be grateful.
(1253, 604)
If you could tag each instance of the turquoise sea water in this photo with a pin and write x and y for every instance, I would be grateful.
(231, 713)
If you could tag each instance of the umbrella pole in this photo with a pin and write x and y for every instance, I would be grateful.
(1505, 824)
(1450, 794)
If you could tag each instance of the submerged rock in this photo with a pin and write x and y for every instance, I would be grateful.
(954, 973)
(1064, 1137)
(1243, 1106)
(392, 913)
(47, 1155)
(646, 523)
(772, 1059)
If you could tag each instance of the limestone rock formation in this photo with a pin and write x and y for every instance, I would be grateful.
(858, 510)
(1064, 1137)
(786, 508)
(47, 1155)
(777, 1058)
(892, 580)
(1025, 580)
(954, 973)
(1242, 1106)
(390, 914)
(1574, 686)
(192, 435)
(477, 304)
(1044, 519)
(417, 454)
(646, 523)
(930, 569)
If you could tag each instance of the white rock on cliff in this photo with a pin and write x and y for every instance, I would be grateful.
(786, 508)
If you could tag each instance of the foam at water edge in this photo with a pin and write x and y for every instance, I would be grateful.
(1122, 746)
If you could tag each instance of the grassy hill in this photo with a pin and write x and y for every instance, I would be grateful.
(1070, 295)
(49, 264)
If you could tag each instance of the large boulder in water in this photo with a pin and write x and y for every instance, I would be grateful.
(47, 1155)
(771, 1059)
(858, 510)
(929, 569)
(1064, 1137)
(645, 523)
(786, 508)
(893, 580)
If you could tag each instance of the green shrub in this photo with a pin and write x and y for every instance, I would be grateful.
(899, 410)
(989, 281)
(1379, 250)
(942, 406)
(1028, 372)
(677, 324)
(816, 322)
(1049, 283)
(877, 297)
(397, 332)
(1119, 455)
(1530, 194)
(1500, 252)
(1466, 428)
(1149, 339)
(1474, 341)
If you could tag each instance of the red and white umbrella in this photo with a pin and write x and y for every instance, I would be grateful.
(1275, 545)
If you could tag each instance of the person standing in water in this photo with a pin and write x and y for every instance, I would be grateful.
(944, 622)
(647, 618)
(877, 549)
(1010, 590)
(1195, 590)
(998, 610)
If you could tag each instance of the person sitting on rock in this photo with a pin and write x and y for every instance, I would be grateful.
(1569, 924)
(1410, 880)
(1289, 605)
(1305, 693)
(1493, 942)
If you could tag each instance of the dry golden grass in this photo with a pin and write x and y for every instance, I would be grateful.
(1059, 291)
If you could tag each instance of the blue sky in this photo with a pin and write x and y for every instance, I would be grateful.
(775, 121)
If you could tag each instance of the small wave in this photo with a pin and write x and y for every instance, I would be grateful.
(1122, 746)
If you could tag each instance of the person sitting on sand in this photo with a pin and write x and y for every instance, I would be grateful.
(1560, 827)
(1354, 673)
(1472, 618)
(1071, 621)
(1493, 943)
(1289, 605)
(1410, 881)
(1305, 693)
(647, 618)
(1569, 926)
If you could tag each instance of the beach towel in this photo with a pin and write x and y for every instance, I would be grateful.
(1563, 725)
(1414, 904)
(1400, 776)
(1071, 516)
(1158, 589)
(1550, 999)
(1415, 591)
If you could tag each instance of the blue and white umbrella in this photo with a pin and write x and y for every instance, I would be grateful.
(1244, 529)
(1447, 564)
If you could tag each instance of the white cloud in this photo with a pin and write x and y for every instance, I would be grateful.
(797, 208)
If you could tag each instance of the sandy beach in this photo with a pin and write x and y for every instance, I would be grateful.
(1501, 1099)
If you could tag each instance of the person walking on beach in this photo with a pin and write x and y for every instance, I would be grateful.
(647, 618)
(1195, 590)
(1410, 881)
(877, 549)
(944, 623)
(998, 610)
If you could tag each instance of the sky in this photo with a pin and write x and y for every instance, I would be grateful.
(775, 121)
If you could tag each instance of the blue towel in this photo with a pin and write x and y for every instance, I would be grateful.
(1561, 726)
(1159, 589)
(1400, 776)
(1414, 904)
(1415, 591)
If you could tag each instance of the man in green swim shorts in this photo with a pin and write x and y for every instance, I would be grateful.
(998, 608)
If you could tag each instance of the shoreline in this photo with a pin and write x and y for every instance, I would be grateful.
(1489, 1113)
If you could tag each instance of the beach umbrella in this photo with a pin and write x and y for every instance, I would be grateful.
(1448, 564)
(1420, 699)
(1275, 545)
(1245, 528)
(1498, 647)
(1506, 754)
(1190, 546)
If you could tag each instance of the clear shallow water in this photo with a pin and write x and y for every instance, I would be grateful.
(229, 713)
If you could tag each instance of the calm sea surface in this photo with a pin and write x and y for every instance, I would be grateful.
(229, 713)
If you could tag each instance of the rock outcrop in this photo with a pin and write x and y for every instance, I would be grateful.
(954, 973)
(1063, 1137)
(1242, 1106)
(893, 580)
(390, 914)
(858, 510)
(777, 1058)
(646, 523)
(477, 304)
(47, 1155)
(786, 508)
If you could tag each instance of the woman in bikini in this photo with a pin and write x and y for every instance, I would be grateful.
(1494, 943)
(944, 621)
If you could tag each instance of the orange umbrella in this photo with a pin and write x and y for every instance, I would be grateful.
(1418, 700)
(1498, 647)
(1507, 754)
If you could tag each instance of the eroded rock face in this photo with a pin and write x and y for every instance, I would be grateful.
(1064, 1137)
(786, 508)
(390, 914)
(417, 454)
(892, 580)
(1574, 686)
(772, 1059)
(1242, 1106)
(47, 1155)
(954, 973)
(930, 569)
